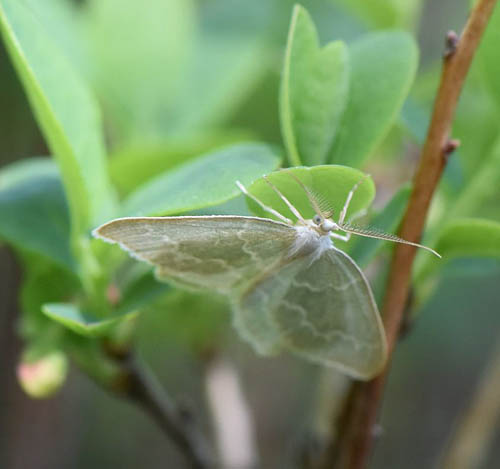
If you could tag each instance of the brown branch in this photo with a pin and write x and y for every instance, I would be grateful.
(137, 384)
(432, 162)
(114, 366)
(353, 449)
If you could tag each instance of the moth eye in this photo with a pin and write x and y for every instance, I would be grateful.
(317, 219)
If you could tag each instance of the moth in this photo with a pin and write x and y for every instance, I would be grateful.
(291, 288)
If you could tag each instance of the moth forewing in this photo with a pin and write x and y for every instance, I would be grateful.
(216, 252)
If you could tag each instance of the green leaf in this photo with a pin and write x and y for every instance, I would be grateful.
(230, 56)
(141, 292)
(475, 125)
(462, 238)
(363, 250)
(331, 183)
(65, 111)
(33, 210)
(133, 165)
(43, 282)
(224, 72)
(414, 118)
(140, 55)
(470, 237)
(64, 21)
(83, 322)
(205, 181)
(314, 91)
(488, 56)
(22, 170)
(482, 189)
(192, 319)
(383, 67)
(385, 13)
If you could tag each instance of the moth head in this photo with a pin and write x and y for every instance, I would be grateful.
(324, 224)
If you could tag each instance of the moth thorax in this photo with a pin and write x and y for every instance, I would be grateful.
(307, 240)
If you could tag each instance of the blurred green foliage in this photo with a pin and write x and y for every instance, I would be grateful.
(183, 96)
(337, 104)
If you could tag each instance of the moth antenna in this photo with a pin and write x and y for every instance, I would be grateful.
(324, 205)
(374, 233)
(318, 203)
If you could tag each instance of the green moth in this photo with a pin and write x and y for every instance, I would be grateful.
(291, 287)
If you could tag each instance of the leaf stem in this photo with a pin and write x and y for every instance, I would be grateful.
(353, 449)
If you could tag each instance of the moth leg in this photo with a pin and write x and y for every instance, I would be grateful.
(345, 237)
(349, 198)
(287, 202)
(263, 206)
(357, 215)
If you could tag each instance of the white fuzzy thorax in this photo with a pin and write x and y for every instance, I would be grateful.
(309, 241)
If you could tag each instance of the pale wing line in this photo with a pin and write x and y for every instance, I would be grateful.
(172, 251)
(355, 280)
(366, 314)
(184, 255)
(196, 260)
(327, 336)
(131, 245)
(240, 234)
(347, 285)
(375, 316)
(306, 323)
(247, 332)
(342, 288)
(307, 285)
(314, 289)
(98, 232)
